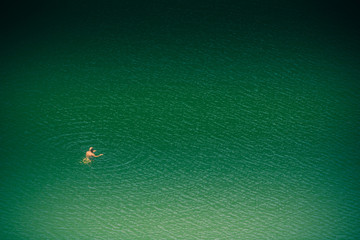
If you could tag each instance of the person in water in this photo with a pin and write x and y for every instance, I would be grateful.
(90, 154)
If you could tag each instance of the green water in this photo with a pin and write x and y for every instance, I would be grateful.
(215, 121)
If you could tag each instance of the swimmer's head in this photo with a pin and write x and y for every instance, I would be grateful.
(91, 149)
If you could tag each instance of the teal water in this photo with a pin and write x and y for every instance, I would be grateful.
(213, 125)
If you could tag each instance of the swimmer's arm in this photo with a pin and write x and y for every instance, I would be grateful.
(97, 155)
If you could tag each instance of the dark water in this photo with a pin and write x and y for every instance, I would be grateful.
(216, 121)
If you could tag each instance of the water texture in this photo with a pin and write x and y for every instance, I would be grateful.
(216, 121)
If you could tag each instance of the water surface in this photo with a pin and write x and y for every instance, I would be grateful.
(214, 124)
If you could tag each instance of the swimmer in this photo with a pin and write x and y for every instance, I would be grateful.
(89, 154)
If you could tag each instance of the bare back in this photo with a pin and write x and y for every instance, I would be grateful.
(89, 154)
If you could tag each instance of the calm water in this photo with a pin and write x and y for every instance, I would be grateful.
(212, 126)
